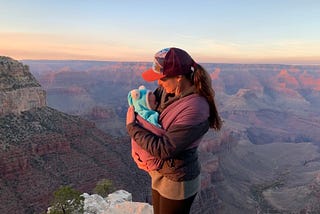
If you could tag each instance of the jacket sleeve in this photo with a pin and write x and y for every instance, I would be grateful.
(176, 139)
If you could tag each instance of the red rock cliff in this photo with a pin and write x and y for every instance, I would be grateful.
(19, 90)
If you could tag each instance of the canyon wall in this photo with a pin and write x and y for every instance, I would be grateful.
(19, 90)
(42, 149)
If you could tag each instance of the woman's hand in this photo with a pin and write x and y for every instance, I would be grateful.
(131, 117)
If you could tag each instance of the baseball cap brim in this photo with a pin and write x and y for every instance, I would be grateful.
(150, 75)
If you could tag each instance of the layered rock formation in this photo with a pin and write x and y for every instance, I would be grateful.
(275, 111)
(19, 90)
(42, 148)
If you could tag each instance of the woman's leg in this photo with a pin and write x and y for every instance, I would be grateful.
(155, 201)
(168, 206)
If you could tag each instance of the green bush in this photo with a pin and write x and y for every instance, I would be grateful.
(103, 187)
(66, 201)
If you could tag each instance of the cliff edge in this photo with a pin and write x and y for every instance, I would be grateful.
(42, 149)
(19, 90)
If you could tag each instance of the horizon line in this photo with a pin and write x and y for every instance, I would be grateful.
(203, 62)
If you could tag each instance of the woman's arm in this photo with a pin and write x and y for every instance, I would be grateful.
(190, 125)
(176, 139)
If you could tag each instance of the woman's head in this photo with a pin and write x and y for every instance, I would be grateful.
(169, 62)
(169, 67)
(176, 71)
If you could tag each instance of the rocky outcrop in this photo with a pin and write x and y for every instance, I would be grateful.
(15, 75)
(19, 90)
(21, 100)
(118, 202)
(42, 148)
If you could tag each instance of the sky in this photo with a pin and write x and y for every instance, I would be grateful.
(221, 31)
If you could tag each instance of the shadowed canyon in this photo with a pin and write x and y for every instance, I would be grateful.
(65, 124)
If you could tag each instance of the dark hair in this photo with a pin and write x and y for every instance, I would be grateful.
(202, 82)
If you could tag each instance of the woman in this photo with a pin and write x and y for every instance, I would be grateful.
(187, 110)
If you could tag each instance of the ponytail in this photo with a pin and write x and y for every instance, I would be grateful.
(202, 82)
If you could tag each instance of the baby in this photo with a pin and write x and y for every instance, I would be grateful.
(144, 103)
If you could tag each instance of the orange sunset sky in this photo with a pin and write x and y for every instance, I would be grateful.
(283, 31)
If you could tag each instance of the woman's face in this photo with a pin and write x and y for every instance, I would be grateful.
(169, 84)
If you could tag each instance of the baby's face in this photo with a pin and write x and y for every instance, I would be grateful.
(152, 101)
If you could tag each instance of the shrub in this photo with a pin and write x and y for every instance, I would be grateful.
(103, 187)
(66, 201)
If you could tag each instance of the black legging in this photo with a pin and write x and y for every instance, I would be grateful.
(163, 205)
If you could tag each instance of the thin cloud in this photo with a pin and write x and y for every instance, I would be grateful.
(21, 45)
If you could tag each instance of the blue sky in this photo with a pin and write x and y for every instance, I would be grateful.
(283, 31)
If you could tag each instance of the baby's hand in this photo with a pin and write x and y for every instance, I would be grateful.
(131, 117)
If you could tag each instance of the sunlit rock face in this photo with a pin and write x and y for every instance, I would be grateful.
(19, 90)
(118, 202)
